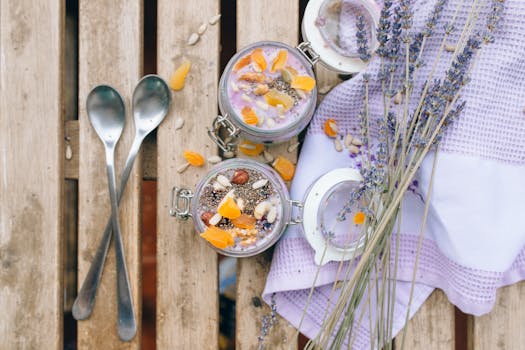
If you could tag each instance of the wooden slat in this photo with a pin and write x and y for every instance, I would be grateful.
(432, 328)
(187, 275)
(502, 328)
(31, 182)
(110, 51)
(262, 20)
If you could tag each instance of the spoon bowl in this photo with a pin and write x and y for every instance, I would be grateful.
(106, 113)
(151, 101)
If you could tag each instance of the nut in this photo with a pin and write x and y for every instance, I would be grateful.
(398, 98)
(234, 86)
(353, 149)
(261, 209)
(270, 123)
(223, 180)
(206, 216)
(240, 177)
(293, 147)
(272, 215)
(268, 156)
(202, 28)
(218, 187)
(259, 184)
(262, 105)
(213, 20)
(348, 140)
(357, 142)
(450, 48)
(338, 145)
(246, 98)
(240, 203)
(193, 38)
(179, 123)
(261, 89)
(215, 219)
(214, 159)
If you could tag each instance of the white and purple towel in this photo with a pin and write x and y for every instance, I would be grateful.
(474, 239)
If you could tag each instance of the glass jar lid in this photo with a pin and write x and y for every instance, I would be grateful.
(329, 27)
(332, 238)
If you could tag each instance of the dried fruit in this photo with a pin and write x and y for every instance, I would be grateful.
(275, 98)
(251, 149)
(330, 128)
(303, 82)
(258, 58)
(280, 60)
(194, 158)
(229, 209)
(249, 116)
(284, 167)
(240, 177)
(242, 62)
(244, 221)
(178, 78)
(359, 218)
(217, 237)
(253, 77)
(206, 216)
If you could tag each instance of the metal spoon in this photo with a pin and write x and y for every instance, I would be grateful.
(151, 101)
(106, 113)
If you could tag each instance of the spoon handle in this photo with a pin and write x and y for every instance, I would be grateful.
(127, 327)
(85, 300)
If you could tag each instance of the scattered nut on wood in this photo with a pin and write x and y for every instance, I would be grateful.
(183, 168)
(202, 28)
(338, 145)
(228, 154)
(214, 19)
(192, 39)
(353, 149)
(268, 157)
(348, 140)
(214, 159)
(179, 123)
(450, 47)
(293, 147)
(69, 152)
(259, 184)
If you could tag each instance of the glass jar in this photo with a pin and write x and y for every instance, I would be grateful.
(242, 207)
(268, 93)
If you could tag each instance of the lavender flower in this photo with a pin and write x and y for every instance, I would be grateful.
(268, 321)
(362, 39)
(383, 29)
(413, 55)
(433, 18)
(493, 20)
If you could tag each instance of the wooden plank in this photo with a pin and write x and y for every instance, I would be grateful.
(502, 328)
(262, 20)
(187, 275)
(31, 178)
(432, 327)
(110, 51)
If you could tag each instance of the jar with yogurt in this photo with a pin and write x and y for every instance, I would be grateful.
(268, 91)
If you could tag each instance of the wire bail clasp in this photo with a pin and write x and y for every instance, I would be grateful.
(223, 122)
(305, 48)
(180, 203)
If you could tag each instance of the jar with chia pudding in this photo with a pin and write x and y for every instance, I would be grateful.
(268, 91)
(242, 207)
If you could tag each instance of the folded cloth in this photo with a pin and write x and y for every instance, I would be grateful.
(474, 239)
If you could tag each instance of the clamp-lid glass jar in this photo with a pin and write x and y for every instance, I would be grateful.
(268, 92)
(242, 207)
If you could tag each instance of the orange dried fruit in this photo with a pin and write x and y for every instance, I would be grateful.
(249, 116)
(244, 221)
(275, 98)
(194, 158)
(242, 62)
(258, 58)
(178, 78)
(359, 218)
(253, 77)
(280, 60)
(330, 128)
(303, 82)
(217, 237)
(284, 167)
(251, 149)
(229, 209)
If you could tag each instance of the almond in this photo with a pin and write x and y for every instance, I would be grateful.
(206, 216)
(240, 177)
(261, 89)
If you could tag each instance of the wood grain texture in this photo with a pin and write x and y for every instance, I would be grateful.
(502, 328)
(263, 20)
(187, 274)
(110, 51)
(31, 178)
(432, 327)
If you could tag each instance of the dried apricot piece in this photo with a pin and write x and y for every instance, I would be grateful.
(229, 209)
(303, 82)
(194, 158)
(217, 237)
(359, 218)
(253, 77)
(275, 98)
(251, 149)
(244, 221)
(330, 128)
(242, 62)
(178, 77)
(249, 116)
(284, 167)
(258, 58)
(280, 60)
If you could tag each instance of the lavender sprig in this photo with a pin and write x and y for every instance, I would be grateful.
(434, 17)
(383, 29)
(497, 7)
(362, 39)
